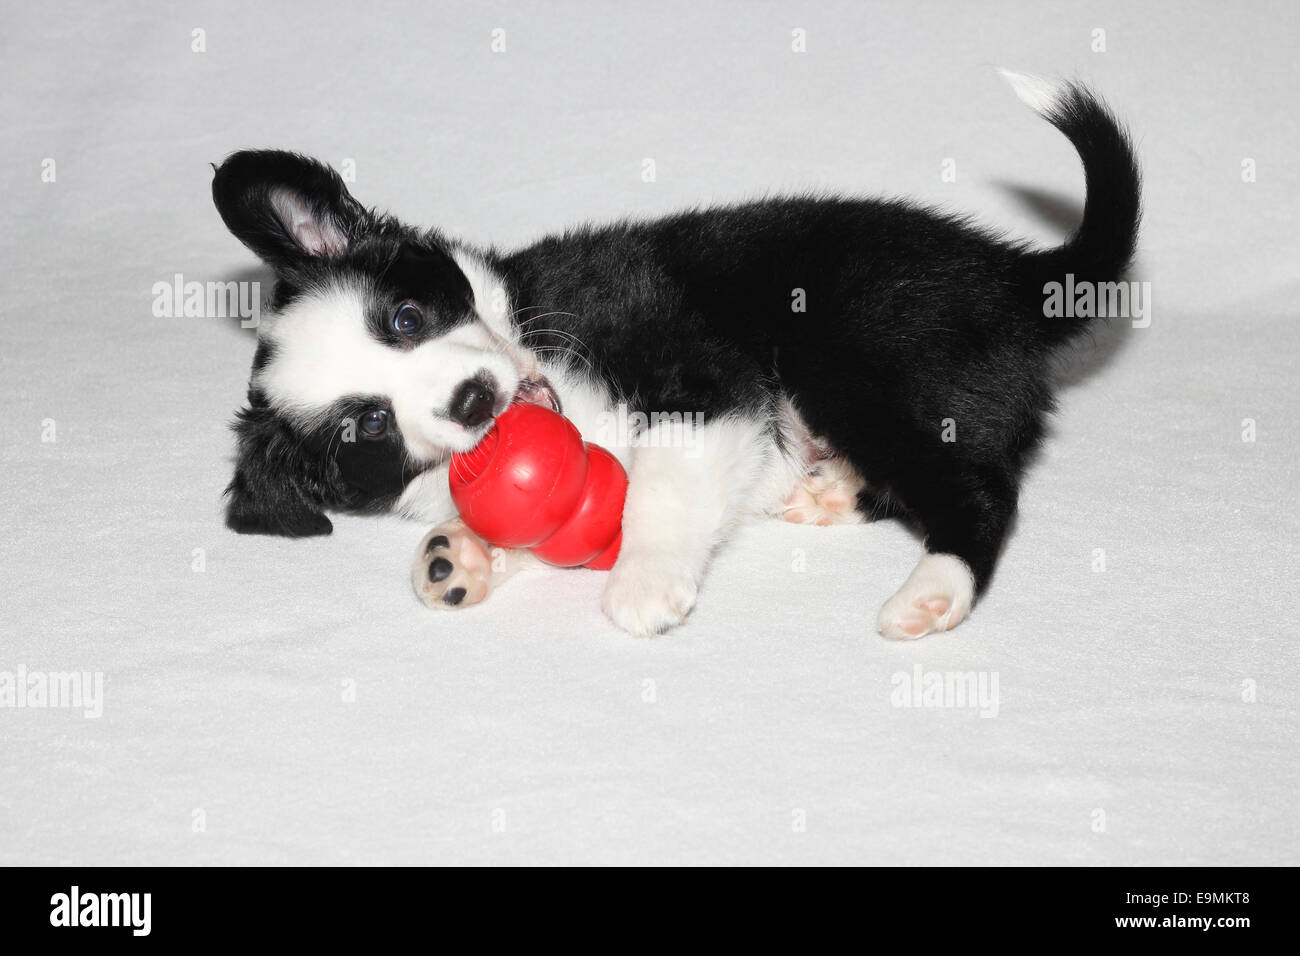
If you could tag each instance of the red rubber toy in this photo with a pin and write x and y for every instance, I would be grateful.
(532, 482)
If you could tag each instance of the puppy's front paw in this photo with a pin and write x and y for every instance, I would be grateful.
(648, 593)
(453, 567)
(937, 597)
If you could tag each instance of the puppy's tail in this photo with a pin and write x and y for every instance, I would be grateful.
(1103, 245)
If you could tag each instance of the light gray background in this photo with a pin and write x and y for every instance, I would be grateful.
(1121, 691)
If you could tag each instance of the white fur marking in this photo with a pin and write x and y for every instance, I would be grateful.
(427, 497)
(490, 299)
(324, 352)
(682, 500)
(1038, 93)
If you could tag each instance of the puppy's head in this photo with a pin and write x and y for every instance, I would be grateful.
(380, 357)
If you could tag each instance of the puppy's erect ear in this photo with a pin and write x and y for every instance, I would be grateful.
(274, 490)
(286, 207)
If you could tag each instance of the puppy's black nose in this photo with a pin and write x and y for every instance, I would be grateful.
(471, 404)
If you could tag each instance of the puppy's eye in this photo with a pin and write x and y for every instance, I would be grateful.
(373, 423)
(408, 319)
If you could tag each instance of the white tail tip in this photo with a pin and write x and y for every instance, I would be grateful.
(1039, 94)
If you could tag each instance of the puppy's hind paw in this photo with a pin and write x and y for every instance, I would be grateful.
(828, 495)
(452, 568)
(937, 597)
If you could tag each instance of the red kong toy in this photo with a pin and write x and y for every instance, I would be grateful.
(532, 482)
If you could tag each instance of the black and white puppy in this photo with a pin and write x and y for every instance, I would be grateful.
(818, 359)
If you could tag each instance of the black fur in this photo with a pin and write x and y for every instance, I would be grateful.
(913, 318)
(275, 490)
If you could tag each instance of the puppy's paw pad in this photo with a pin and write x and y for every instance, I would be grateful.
(828, 495)
(937, 597)
(648, 595)
(910, 623)
(452, 569)
(937, 606)
(912, 626)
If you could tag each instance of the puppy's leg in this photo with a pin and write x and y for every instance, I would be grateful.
(455, 568)
(687, 486)
(965, 521)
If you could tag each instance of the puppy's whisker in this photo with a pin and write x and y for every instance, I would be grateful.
(546, 315)
(456, 465)
(525, 309)
(584, 356)
(568, 352)
(559, 332)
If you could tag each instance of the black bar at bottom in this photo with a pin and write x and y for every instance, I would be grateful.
(333, 905)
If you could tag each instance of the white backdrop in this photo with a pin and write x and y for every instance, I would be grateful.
(1146, 712)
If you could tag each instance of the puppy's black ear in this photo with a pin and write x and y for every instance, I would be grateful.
(274, 490)
(286, 207)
